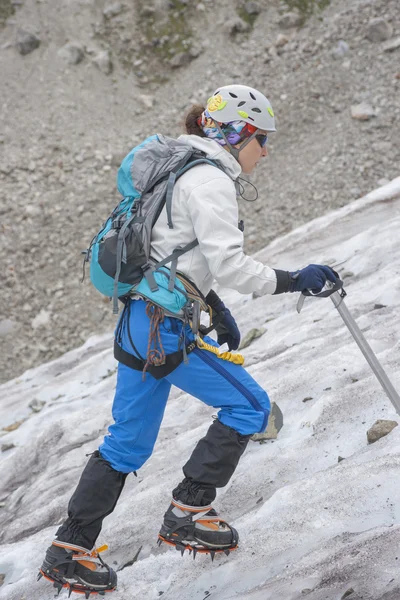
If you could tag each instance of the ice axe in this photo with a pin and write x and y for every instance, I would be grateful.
(337, 294)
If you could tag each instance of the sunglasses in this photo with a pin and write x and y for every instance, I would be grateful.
(262, 139)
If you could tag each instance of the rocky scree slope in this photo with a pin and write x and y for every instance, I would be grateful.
(85, 81)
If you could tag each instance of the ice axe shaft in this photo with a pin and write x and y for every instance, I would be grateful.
(366, 350)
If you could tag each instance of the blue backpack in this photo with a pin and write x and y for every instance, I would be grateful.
(119, 254)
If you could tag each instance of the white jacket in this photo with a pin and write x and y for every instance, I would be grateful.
(204, 206)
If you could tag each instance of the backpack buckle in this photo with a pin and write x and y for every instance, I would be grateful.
(118, 222)
(148, 273)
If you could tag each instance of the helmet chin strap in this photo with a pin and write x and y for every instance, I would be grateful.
(235, 151)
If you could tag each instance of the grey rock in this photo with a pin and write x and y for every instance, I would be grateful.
(4, 448)
(236, 25)
(379, 429)
(281, 40)
(196, 50)
(252, 335)
(362, 112)
(6, 327)
(36, 405)
(112, 10)
(379, 30)
(275, 424)
(180, 60)
(340, 50)
(103, 61)
(355, 192)
(392, 45)
(147, 11)
(27, 42)
(2, 577)
(347, 275)
(72, 53)
(41, 319)
(252, 8)
(33, 210)
(147, 101)
(289, 20)
(379, 306)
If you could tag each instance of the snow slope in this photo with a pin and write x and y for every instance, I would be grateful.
(311, 527)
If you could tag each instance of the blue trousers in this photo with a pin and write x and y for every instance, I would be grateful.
(139, 405)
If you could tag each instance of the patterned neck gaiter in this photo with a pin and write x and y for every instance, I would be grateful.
(235, 131)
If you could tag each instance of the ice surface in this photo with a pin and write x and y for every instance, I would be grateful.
(311, 527)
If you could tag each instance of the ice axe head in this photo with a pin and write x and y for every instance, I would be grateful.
(328, 289)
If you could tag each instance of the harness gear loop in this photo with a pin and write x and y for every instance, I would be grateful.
(237, 359)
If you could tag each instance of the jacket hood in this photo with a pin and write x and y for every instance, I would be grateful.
(214, 151)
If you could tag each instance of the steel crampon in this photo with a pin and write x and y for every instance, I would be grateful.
(61, 583)
(183, 546)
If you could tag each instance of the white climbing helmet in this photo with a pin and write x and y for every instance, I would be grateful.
(241, 103)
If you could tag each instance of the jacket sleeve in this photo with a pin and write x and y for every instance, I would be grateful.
(214, 213)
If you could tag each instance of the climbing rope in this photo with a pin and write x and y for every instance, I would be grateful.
(156, 355)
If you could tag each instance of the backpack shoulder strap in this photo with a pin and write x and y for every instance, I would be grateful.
(174, 176)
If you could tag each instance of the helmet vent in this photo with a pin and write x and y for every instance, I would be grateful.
(252, 95)
(251, 118)
(216, 93)
(257, 110)
(233, 95)
(241, 103)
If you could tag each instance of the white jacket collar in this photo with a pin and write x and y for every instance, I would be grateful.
(214, 151)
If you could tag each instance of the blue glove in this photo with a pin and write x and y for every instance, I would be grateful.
(311, 278)
(227, 330)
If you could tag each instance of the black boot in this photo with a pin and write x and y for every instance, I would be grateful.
(191, 522)
(95, 497)
(77, 569)
(197, 529)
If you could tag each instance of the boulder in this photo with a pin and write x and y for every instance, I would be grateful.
(275, 424)
(392, 45)
(362, 112)
(72, 53)
(379, 30)
(340, 50)
(250, 336)
(180, 60)
(379, 429)
(26, 42)
(289, 20)
(281, 40)
(237, 25)
(4, 448)
(103, 61)
(252, 8)
(112, 10)
(6, 326)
